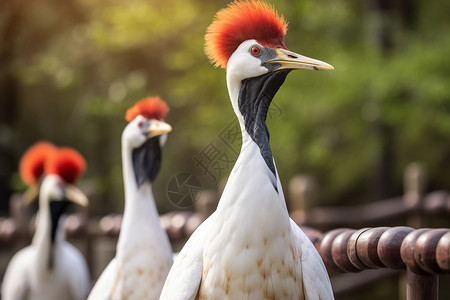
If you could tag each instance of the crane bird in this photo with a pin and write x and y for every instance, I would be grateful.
(249, 248)
(144, 254)
(50, 268)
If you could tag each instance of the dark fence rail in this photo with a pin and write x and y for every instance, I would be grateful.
(424, 253)
(412, 208)
(181, 224)
(381, 212)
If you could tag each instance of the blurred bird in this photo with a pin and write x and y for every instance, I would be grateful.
(144, 254)
(50, 268)
(249, 248)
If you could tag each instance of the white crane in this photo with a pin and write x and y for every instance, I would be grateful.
(144, 254)
(50, 268)
(249, 248)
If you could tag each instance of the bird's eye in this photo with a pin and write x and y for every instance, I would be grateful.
(255, 50)
(140, 124)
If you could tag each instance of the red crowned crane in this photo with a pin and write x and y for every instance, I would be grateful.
(50, 268)
(249, 248)
(144, 253)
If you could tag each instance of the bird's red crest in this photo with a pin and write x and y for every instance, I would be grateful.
(149, 108)
(243, 20)
(67, 163)
(31, 166)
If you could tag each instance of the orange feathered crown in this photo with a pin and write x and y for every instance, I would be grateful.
(32, 163)
(149, 108)
(243, 20)
(45, 158)
(67, 163)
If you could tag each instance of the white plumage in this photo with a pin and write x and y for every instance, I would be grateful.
(29, 275)
(144, 254)
(249, 248)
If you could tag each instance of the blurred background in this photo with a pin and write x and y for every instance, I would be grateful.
(70, 69)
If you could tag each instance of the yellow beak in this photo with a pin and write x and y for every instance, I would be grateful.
(31, 194)
(157, 128)
(75, 195)
(293, 61)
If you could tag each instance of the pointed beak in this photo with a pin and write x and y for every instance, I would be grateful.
(157, 128)
(75, 195)
(292, 61)
(31, 194)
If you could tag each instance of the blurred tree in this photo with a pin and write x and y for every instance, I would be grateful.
(74, 67)
(10, 25)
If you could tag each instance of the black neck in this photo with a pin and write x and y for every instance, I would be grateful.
(57, 208)
(255, 97)
(147, 161)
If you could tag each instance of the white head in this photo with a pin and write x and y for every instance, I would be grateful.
(243, 63)
(144, 136)
(53, 188)
(247, 38)
(62, 170)
(140, 129)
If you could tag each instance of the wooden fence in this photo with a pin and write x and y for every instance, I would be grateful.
(422, 254)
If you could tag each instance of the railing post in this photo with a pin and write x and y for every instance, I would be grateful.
(418, 251)
(414, 188)
(21, 215)
(421, 286)
(414, 185)
(302, 193)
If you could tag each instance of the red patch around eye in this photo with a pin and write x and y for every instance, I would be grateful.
(255, 50)
(140, 124)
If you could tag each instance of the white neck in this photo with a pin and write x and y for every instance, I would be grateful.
(140, 212)
(250, 168)
(143, 248)
(42, 237)
(234, 85)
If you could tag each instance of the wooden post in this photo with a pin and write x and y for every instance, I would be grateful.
(418, 252)
(302, 193)
(414, 182)
(421, 286)
(414, 189)
(21, 215)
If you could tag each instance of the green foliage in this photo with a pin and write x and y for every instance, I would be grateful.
(82, 63)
